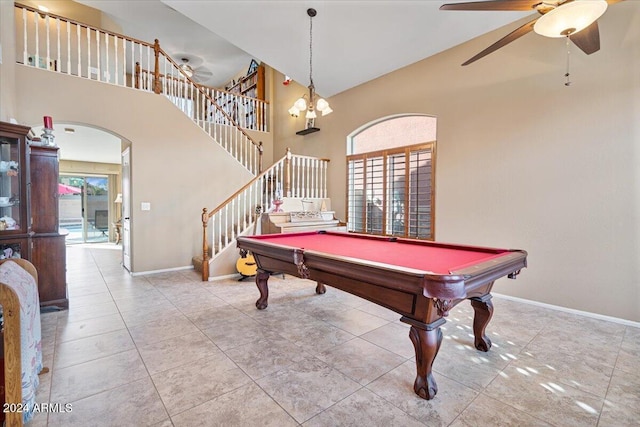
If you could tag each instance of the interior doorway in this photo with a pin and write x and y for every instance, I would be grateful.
(84, 207)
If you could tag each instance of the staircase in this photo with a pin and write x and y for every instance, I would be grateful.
(61, 45)
(291, 176)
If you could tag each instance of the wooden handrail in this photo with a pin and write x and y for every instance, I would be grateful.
(206, 215)
(239, 95)
(237, 193)
(204, 92)
(205, 87)
(279, 174)
(286, 158)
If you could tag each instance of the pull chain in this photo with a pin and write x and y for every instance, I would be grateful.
(568, 74)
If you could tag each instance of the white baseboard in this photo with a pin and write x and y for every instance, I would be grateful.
(164, 270)
(571, 310)
(228, 276)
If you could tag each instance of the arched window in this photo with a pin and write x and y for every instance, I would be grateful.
(391, 177)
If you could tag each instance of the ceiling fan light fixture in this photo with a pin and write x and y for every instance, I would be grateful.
(186, 68)
(569, 18)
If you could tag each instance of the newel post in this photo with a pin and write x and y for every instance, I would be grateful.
(287, 173)
(157, 86)
(137, 76)
(205, 246)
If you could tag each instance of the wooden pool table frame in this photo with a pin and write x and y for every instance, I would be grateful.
(422, 298)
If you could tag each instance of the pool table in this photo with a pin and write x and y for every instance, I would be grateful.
(420, 280)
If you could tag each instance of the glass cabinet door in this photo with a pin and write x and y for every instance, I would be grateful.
(12, 216)
(13, 248)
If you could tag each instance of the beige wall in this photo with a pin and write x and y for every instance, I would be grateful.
(522, 161)
(7, 46)
(175, 165)
(76, 11)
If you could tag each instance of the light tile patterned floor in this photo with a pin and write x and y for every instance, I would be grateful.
(169, 350)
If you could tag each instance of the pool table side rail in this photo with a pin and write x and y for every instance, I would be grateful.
(509, 265)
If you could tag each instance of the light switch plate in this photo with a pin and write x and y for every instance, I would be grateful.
(145, 206)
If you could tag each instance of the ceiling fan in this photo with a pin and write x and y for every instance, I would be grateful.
(197, 74)
(575, 19)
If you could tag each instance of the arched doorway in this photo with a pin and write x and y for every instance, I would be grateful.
(89, 182)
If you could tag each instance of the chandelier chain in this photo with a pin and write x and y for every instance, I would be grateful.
(311, 50)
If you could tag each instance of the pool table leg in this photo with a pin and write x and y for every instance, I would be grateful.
(261, 282)
(483, 312)
(426, 343)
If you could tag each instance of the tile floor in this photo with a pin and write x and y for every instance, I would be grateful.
(170, 350)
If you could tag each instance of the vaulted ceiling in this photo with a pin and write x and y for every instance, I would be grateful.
(354, 41)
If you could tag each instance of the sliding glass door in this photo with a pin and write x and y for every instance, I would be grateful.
(84, 208)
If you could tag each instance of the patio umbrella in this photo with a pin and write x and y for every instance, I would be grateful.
(68, 189)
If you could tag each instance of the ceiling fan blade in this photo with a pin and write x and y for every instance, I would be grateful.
(588, 40)
(525, 5)
(516, 34)
(613, 1)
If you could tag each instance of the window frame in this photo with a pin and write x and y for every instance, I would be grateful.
(385, 154)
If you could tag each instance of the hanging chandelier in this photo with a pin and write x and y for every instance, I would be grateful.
(310, 103)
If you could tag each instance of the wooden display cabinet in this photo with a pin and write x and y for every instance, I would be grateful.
(29, 211)
(43, 165)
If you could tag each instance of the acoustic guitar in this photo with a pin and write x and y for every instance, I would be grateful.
(246, 266)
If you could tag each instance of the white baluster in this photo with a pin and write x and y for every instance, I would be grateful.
(98, 62)
(36, 59)
(299, 167)
(79, 51)
(68, 25)
(106, 58)
(58, 62)
(115, 59)
(25, 56)
(219, 217)
(133, 64)
(124, 62)
(325, 166)
(226, 225)
(48, 57)
(149, 81)
(89, 53)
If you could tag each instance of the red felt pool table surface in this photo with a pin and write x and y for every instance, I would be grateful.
(420, 255)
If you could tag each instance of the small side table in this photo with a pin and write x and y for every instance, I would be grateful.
(116, 227)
